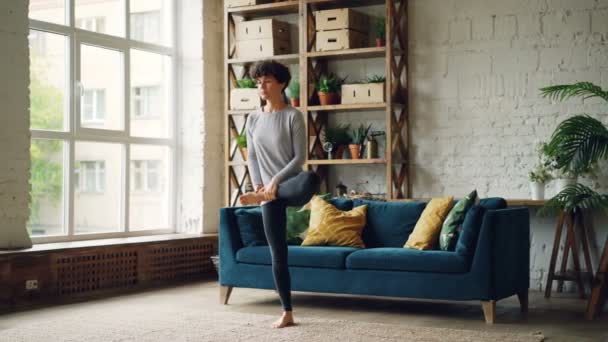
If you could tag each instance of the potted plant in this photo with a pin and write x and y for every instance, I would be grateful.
(538, 178)
(241, 142)
(357, 140)
(338, 136)
(328, 87)
(294, 93)
(576, 146)
(380, 32)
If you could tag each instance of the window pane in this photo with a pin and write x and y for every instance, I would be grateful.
(150, 90)
(46, 179)
(48, 80)
(151, 21)
(103, 16)
(149, 200)
(102, 80)
(52, 11)
(100, 187)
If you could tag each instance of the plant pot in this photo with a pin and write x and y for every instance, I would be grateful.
(326, 99)
(339, 154)
(355, 149)
(537, 190)
(380, 42)
(562, 183)
(295, 102)
(244, 153)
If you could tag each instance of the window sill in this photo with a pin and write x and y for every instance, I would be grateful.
(72, 245)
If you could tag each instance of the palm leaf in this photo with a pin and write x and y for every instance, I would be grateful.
(565, 91)
(575, 197)
(578, 143)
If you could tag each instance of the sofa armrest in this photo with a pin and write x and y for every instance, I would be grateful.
(502, 256)
(229, 237)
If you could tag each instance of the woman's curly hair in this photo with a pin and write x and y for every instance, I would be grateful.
(271, 68)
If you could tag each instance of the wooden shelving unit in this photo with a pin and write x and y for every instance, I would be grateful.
(311, 64)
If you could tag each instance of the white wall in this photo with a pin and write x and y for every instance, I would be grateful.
(14, 116)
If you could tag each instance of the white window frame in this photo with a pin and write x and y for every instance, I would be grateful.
(75, 132)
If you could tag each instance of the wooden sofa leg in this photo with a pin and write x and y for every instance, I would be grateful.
(523, 302)
(225, 292)
(489, 310)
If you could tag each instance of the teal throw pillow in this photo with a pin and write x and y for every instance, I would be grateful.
(251, 226)
(449, 230)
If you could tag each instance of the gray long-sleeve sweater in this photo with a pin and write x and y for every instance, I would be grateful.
(276, 144)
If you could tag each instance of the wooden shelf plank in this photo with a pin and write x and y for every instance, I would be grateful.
(340, 107)
(237, 163)
(525, 202)
(368, 52)
(284, 7)
(292, 58)
(246, 111)
(345, 161)
(327, 4)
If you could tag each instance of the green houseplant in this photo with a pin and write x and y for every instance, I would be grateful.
(577, 145)
(338, 136)
(328, 88)
(376, 79)
(358, 136)
(294, 92)
(380, 32)
(241, 142)
(245, 83)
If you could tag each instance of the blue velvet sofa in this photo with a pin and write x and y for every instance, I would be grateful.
(490, 261)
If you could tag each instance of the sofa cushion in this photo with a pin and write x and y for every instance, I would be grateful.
(426, 232)
(404, 259)
(470, 231)
(320, 257)
(251, 226)
(493, 203)
(449, 230)
(330, 226)
(388, 224)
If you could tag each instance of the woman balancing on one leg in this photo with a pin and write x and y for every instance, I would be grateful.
(276, 141)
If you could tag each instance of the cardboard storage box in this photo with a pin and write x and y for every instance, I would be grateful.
(244, 98)
(239, 3)
(363, 93)
(257, 48)
(260, 29)
(341, 18)
(340, 39)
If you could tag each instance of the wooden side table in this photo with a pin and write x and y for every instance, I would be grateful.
(600, 286)
(574, 222)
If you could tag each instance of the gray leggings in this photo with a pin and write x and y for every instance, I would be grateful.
(295, 191)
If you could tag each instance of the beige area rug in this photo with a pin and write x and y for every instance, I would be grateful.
(148, 325)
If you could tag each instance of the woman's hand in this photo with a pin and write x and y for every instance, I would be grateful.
(259, 188)
(270, 190)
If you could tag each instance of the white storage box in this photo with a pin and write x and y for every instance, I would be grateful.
(257, 48)
(339, 40)
(260, 29)
(240, 3)
(341, 18)
(363, 93)
(244, 98)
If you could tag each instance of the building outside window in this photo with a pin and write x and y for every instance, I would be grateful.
(146, 102)
(90, 176)
(93, 106)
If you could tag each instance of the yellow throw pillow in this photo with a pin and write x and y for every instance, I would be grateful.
(427, 229)
(330, 226)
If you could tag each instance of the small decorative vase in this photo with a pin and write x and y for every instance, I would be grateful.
(380, 42)
(244, 153)
(295, 102)
(562, 183)
(326, 99)
(537, 190)
(355, 149)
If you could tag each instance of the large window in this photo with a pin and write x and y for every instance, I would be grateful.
(97, 68)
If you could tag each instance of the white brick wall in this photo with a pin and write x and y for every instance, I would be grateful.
(477, 66)
(14, 117)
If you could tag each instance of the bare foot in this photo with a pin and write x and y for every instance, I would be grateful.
(251, 198)
(286, 320)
